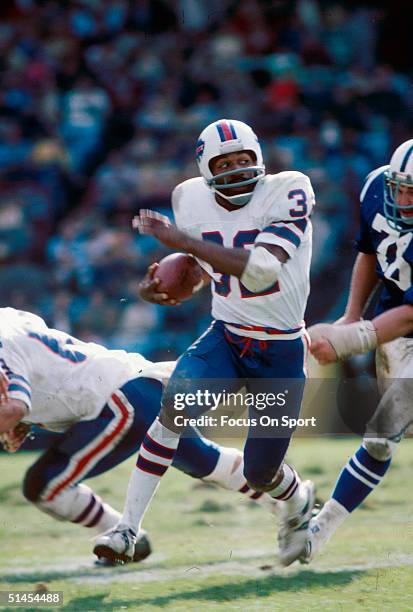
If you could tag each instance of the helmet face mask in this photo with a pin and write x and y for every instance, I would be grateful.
(224, 137)
(398, 189)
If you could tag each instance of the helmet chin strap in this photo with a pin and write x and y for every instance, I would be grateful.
(237, 200)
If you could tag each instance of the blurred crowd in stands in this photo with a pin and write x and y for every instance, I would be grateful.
(101, 103)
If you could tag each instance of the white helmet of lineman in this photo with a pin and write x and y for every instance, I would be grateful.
(399, 175)
(229, 136)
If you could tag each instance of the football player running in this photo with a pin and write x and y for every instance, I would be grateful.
(385, 253)
(251, 233)
(102, 401)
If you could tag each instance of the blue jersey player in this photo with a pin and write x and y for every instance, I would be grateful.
(385, 245)
(251, 233)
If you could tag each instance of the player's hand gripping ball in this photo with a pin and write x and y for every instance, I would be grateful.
(180, 276)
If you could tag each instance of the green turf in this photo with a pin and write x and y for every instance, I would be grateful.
(214, 550)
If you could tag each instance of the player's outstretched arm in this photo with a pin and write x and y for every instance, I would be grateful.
(329, 343)
(394, 323)
(363, 281)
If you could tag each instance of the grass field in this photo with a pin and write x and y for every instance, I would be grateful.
(216, 551)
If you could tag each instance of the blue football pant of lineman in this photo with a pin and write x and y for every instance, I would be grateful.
(216, 362)
(72, 456)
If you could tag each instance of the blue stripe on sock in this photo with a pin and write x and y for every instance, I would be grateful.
(372, 464)
(374, 481)
(349, 491)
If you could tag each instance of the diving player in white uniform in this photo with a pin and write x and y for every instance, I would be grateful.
(385, 245)
(251, 233)
(102, 401)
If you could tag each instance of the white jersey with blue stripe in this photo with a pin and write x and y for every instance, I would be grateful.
(61, 379)
(278, 214)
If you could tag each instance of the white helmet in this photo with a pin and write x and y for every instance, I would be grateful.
(228, 136)
(399, 174)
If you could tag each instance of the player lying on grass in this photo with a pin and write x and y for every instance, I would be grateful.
(385, 253)
(103, 402)
(251, 232)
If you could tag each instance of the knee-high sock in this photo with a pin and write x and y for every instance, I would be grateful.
(289, 491)
(155, 456)
(359, 478)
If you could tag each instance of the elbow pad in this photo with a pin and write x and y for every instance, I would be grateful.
(262, 270)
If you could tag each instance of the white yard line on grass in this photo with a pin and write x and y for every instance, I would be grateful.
(81, 571)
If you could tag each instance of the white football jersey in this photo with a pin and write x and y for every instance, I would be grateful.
(61, 379)
(278, 213)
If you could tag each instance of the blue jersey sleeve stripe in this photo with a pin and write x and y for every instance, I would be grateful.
(300, 224)
(285, 233)
(20, 389)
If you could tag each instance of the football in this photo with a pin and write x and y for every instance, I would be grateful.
(179, 275)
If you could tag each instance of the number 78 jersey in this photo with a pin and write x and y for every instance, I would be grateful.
(277, 214)
(393, 249)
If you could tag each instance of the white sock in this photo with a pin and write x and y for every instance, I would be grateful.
(155, 456)
(289, 491)
(327, 521)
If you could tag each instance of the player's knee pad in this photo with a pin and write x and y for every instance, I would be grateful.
(380, 449)
(260, 478)
(228, 472)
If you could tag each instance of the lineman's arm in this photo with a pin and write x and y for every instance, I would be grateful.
(394, 323)
(329, 343)
(363, 280)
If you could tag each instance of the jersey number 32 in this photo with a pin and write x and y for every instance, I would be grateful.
(223, 286)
